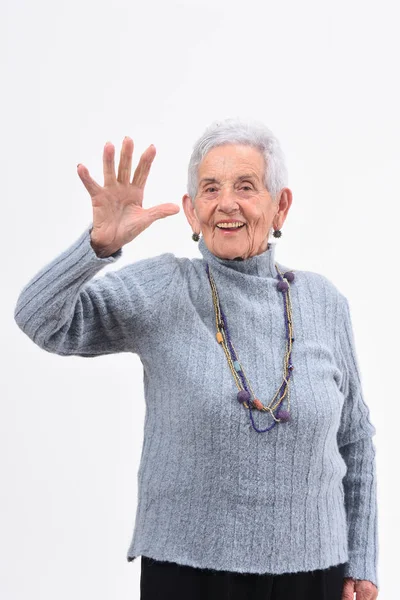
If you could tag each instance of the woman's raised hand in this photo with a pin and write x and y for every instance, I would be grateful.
(118, 214)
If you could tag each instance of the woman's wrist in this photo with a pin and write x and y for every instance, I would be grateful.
(102, 251)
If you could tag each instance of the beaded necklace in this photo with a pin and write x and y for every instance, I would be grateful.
(223, 337)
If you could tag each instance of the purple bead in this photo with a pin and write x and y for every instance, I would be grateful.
(283, 286)
(283, 415)
(243, 396)
(289, 276)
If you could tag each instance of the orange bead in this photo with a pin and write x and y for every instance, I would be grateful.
(219, 337)
(258, 404)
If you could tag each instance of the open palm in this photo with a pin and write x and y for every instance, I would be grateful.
(118, 214)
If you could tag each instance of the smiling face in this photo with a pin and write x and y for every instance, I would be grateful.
(230, 187)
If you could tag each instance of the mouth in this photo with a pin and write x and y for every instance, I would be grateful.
(230, 230)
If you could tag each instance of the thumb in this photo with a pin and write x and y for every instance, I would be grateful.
(348, 590)
(161, 211)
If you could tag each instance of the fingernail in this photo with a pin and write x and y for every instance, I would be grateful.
(78, 164)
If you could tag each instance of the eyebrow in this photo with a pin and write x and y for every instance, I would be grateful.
(213, 180)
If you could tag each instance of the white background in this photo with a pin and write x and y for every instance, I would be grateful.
(324, 77)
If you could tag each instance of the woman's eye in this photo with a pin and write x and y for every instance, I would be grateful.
(212, 189)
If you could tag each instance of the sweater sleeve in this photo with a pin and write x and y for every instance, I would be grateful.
(358, 451)
(64, 310)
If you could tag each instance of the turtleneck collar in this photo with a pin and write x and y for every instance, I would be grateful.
(261, 265)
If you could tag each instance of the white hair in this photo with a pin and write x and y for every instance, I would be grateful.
(241, 131)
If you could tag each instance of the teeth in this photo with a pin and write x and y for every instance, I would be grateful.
(230, 225)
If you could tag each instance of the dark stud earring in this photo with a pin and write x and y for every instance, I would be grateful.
(195, 237)
(277, 233)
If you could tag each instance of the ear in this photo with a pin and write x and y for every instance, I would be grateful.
(284, 202)
(190, 213)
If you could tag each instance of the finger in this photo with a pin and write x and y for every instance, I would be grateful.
(143, 168)
(347, 591)
(125, 161)
(108, 164)
(365, 590)
(92, 187)
(161, 211)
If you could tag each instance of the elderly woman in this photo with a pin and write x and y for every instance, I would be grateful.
(257, 476)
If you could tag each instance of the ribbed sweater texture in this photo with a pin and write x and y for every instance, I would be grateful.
(213, 492)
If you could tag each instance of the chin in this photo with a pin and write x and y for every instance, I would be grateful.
(229, 254)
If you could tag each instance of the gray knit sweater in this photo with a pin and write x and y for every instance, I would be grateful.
(213, 492)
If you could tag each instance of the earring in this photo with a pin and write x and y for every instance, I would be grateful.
(196, 237)
(277, 233)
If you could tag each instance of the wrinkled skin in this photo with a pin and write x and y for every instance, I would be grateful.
(229, 197)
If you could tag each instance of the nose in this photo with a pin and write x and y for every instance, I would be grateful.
(227, 201)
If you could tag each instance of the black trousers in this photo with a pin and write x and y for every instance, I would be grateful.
(162, 580)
